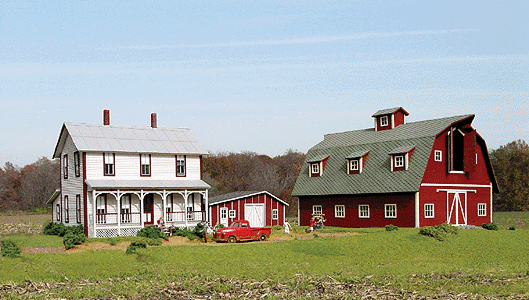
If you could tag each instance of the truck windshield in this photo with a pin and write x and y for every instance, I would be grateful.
(234, 224)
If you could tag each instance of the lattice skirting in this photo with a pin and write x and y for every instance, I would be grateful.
(113, 232)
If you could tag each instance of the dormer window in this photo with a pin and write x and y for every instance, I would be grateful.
(316, 165)
(355, 162)
(384, 121)
(400, 158)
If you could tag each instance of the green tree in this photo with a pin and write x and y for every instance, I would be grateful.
(511, 167)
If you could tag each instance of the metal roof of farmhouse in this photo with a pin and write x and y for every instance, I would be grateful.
(101, 138)
(376, 176)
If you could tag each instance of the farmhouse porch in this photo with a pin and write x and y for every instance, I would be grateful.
(124, 212)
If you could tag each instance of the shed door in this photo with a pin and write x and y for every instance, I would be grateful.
(255, 214)
(457, 208)
(224, 216)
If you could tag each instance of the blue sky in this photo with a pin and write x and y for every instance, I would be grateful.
(261, 76)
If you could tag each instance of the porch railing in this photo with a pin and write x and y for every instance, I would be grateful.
(180, 216)
(134, 218)
(112, 218)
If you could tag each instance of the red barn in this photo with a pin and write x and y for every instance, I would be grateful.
(406, 174)
(259, 208)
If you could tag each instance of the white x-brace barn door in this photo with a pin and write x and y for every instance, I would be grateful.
(456, 206)
(255, 214)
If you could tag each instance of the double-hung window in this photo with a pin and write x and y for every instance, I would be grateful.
(126, 209)
(109, 164)
(101, 204)
(354, 165)
(429, 211)
(390, 211)
(384, 121)
(316, 210)
(398, 161)
(231, 214)
(78, 208)
(57, 212)
(315, 169)
(66, 210)
(275, 214)
(145, 164)
(482, 209)
(339, 211)
(77, 163)
(438, 155)
(65, 166)
(180, 165)
(363, 211)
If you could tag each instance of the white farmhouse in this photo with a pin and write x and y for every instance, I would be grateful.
(116, 180)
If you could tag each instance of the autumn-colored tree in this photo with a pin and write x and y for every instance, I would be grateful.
(511, 167)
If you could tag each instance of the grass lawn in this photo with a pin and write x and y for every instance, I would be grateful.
(518, 219)
(473, 262)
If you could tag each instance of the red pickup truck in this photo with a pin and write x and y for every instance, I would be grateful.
(240, 230)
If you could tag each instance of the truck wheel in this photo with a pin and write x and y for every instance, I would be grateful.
(262, 237)
(232, 239)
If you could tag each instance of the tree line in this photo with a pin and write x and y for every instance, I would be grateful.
(29, 187)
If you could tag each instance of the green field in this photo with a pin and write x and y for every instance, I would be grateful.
(398, 264)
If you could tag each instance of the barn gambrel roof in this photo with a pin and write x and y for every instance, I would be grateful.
(101, 138)
(376, 176)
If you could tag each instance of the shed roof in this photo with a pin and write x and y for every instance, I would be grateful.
(100, 138)
(240, 195)
(388, 111)
(376, 176)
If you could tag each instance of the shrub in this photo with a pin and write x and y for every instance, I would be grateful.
(391, 227)
(446, 228)
(218, 226)
(277, 227)
(9, 249)
(71, 239)
(152, 232)
(511, 228)
(199, 230)
(186, 233)
(136, 245)
(54, 229)
(154, 242)
(490, 226)
(434, 232)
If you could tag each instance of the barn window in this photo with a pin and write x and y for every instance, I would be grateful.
(77, 164)
(384, 121)
(438, 155)
(109, 159)
(354, 165)
(482, 209)
(390, 210)
(339, 211)
(145, 164)
(65, 166)
(398, 161)
(275, 214)
(78, 208)
(315, 169)
(316, 210)
(231, 214)
(180, 165)
(66, 210)
(363, 211)
(429, 211)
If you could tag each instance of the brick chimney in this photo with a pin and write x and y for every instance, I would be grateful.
(106, 117)
(154, 123)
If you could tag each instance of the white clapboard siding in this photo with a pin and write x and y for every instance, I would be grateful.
(127, 166)
(72, 185)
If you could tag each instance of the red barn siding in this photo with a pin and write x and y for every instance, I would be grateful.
(405, 210)
(238, 206)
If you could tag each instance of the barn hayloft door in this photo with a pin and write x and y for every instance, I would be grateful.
(456, 206)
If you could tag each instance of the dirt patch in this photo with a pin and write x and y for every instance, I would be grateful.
(43, 250)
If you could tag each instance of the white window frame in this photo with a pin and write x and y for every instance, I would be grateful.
(77, 163)
(339, 211)
(363, 211)
(109, 163)
(66, 209)
(232, 214)
(390, 211)
(316, 208)
(438, 155)
(384, 121)
(482, 209)
(145, 164)
(354, 165)
(398, 161)
(315, 168)
(181, 166)
(58, 212)
(78, 208)
(65, 166)
(275, 214)
(429, 210)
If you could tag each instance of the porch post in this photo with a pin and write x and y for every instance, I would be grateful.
(118, 208)
(94, 200)
(141, 208)
(164, 200)
(186, 194)
(207, 206)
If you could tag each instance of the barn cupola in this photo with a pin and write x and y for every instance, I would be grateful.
(386, 119)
